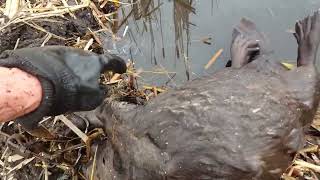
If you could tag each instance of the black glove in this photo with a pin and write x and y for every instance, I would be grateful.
(69, 78)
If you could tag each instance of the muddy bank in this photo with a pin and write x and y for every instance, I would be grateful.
(50, 31)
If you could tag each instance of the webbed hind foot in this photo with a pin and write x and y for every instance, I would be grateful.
(242, 50)
(246, 44)
(308, 37)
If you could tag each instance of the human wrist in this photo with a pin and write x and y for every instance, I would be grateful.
(21, 93)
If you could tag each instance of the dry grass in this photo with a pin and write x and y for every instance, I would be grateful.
(306, 163)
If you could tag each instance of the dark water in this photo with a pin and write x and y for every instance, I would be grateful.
(166, 35)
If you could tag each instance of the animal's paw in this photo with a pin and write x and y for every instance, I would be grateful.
(308, 37)
(242, 49)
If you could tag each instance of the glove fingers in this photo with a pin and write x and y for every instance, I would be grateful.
(89, 101)
(113, 63)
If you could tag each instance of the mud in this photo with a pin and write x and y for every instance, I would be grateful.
(64, 31)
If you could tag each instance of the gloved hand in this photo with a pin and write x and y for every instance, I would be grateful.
(69, 78)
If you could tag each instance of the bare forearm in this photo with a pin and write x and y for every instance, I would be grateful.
(20, 92)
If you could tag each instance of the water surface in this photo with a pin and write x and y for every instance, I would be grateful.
(168, 35)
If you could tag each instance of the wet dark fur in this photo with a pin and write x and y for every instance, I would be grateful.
(236, 124)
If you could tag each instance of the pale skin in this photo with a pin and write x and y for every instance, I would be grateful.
(21, 93)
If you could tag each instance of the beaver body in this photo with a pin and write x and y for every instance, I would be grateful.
(242, 122)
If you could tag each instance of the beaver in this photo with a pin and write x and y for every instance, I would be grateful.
(242, 122)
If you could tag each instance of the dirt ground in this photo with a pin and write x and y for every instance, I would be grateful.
(66, 31)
